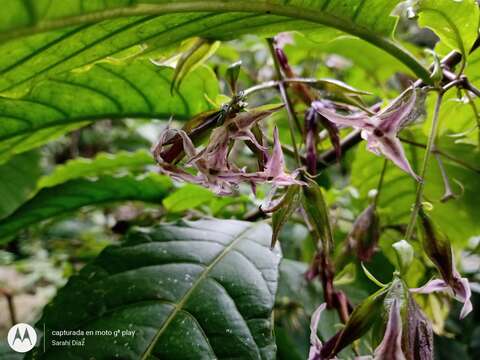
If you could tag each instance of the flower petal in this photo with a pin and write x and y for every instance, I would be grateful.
(315, 343)
(431, 286)
(360, 121)
(276, 163)
(463, 293)
(396, 114)
(391, 346)
(391, 147)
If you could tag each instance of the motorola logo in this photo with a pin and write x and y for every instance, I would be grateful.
(22, 337)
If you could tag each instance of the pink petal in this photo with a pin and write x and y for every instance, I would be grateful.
(394, 116)
(392, 148)
(463, 293)
(435, 285)
(359, 121)
(276, 163)
(391, 346)
(315, 343)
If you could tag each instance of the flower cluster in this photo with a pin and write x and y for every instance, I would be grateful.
(211, 165)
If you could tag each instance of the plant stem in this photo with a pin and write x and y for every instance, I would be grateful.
(442, 153)
(475, 112)
(292, 118)
(448, 192)
(380, 182)
(430, 146)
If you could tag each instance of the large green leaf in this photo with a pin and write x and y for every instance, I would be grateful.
(105, 91)
(74, 194)
(455, 22)
(192, 290)
(18, 178)
(78, 32)
(102, 164)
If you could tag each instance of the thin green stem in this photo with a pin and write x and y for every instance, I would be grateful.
(475, 112)
(380, 182)
(310, 14)
(292, 118)
(430, 146)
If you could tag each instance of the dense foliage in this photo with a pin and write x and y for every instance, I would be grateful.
(242, 179)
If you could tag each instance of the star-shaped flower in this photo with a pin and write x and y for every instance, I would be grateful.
(380, 130)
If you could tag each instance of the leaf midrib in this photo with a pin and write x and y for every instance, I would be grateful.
(190, 291)
(295, 12)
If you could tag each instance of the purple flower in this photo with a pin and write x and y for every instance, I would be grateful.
(391, 346)
(275, 168)
(459, 288)
(380, 130)
(315, 342)
(439, 250)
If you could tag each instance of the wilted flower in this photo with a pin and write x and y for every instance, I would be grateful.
(380, 130)
(364, 234)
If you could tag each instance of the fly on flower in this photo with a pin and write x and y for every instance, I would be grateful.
(381, 130)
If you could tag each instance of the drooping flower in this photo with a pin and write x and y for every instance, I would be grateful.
(391, 346)
(440, 252)
(380, 130)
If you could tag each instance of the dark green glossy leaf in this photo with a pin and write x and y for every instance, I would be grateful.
(74, 194)
(180, 288)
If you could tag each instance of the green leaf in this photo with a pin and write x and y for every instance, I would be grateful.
(74, 194)
(232, 73)
(17, 181)
(105, 91)
(187, 197)
(180, 288)
(192, 58)
(69, 35)
(102, 164)
(316, 210)
(288, 204)
(455, 22)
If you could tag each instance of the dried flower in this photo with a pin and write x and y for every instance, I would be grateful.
(380, 130)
